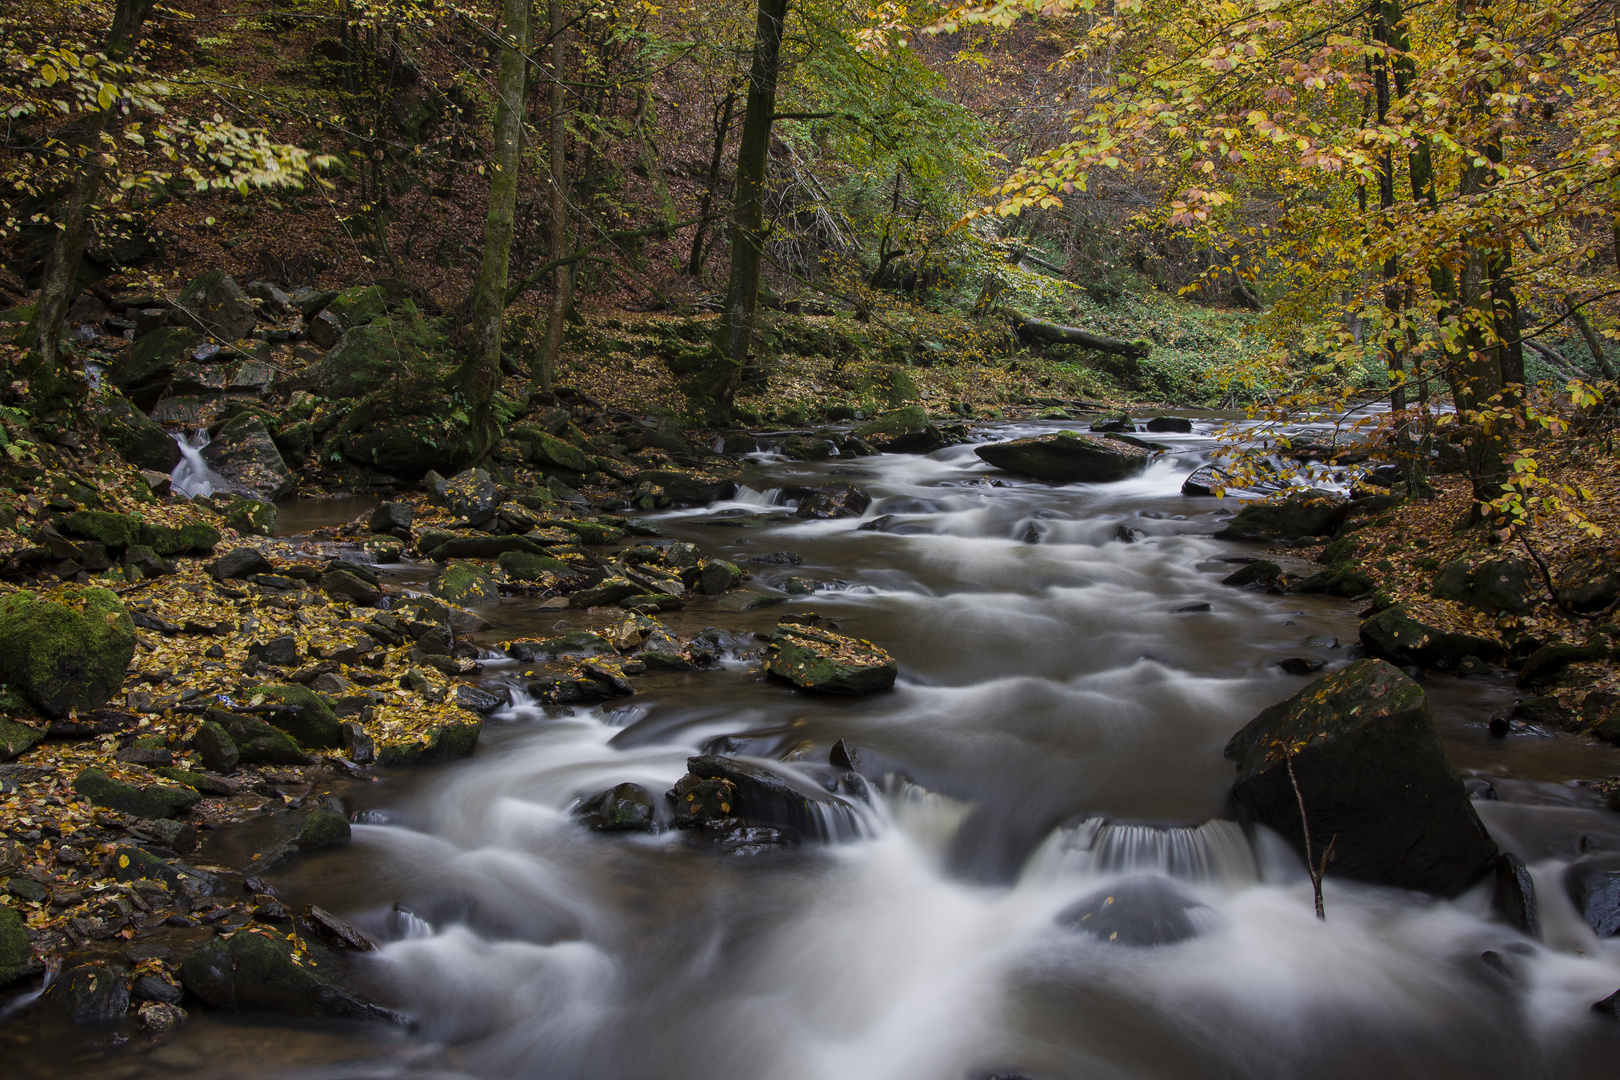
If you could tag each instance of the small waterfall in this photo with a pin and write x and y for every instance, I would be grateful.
(1216, 852)
(410, 926)
(749, 497)
(193, 477)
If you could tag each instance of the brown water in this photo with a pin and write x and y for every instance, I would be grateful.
(1045, 687)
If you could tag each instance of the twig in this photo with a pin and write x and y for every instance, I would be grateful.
(1315, 871)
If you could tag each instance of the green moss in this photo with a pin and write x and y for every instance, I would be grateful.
(16, 739)
(66, 650)
(151, 801)
(465, 583)
(104, 527)
(15, 949)
(521, 566)
(456, 739)
(312, 724)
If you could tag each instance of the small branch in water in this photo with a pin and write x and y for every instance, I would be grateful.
(1316, 870)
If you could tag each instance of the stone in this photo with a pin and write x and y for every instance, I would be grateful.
(141, 441)
(257, 969)
(177, 836)
(1260, 574)
(1490, 586)
(393, 518)
(1590, 583)
(902, 431)
(156, 988)
(1178, 424)
(310, 720)
(610, 590)
(465, 583)
(523, 566)
(143, 370)
(215, 304)
(451, 739)
(815, 659)
(272, 301)
(1067, 457)
(573, 643)
(718, 576)
(281, 651)
(1553, 657)
(1594, 889)
(481, 700)
(1515, 896)
(1375, 782)
(359, 305)
(625, 808)
(254, 517)
(689, 487)
(546, 449)
(1206, 481)
(136, 864)
(244, 454)
(66, 650)
(256, 742)
(839, 500)
(241, 562)
(347, 586)
(193, 537)
(1342, 580)
(482, 546)
(367, 357)
(103, 527)
(1297, 518)
(472, 495)
(148, 801)
(1139, 912)
(717, 787)
(357, 744)
(17, 739)
(588, 532)
(1400, 635)
(160, 1017)
(16, 951)
(96, 992)
(319, 824)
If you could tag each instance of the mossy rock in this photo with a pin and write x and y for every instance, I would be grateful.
(133, 864)
(573, 643)
(367, 357)
(296, 442)
(465, 583)
(140, 440)
(548, 450)
(146, 366)
(359, 306)
(313, 724)
(150, 801)
(257, 970)
(244, 453)
(1398, 635)
(1298, 518)
(255, 742)
(588, 532)
(385, 549)
(452, 739)
(66, 650)
(194, 538)
(522, 566)
(902, 431)
(815, 659)
(406, 446)
(689, 486)
(252, 517)
(610, 590)
(1343, 580)
(104, 527)
(16, 739)
(216, 304)
(1067, 457)
(16, 951)
(1490, 585)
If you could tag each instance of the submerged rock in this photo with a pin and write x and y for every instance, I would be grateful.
(1067, 457)
(1375, 782)
(815, 659)
(1139, 912)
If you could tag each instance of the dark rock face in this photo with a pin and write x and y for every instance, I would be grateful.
(151, 801)
(67, 652)
(141, 440)
(306, 717)
(394, 519)
(1204, 481)
(717, 788)
(1400, 637)
(718, 576)
(815, 659)
(1496, 585)
(1138, 912)
(16, 952)
(902, 431)
(1590, 583)
(1256, 575)
(258, 970)
(244, 453)
(1297, 518)
(240, 563)
(347, 586)
(1179, 424)
(1515, 898)
(573, 643)
(1594, 888)
(214, 303)
(836, 501)
(92, 993)
(472, 495)
(1375, 781)
(625, 808)
(132, 863)
(1067, 457)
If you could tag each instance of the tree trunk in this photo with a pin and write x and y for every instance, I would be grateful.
(1041, 330)
(562, 278)
(748, 215)
(61, 277)
(479, 375)
(722, 127)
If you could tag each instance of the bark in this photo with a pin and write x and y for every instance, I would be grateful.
(722, 128)
(748, 214)
(61, 278)
(479, 374)
(562, 277)
(1056, 334)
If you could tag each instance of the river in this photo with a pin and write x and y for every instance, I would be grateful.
(1064, 697)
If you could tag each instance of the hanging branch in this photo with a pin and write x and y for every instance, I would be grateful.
(1315, 869)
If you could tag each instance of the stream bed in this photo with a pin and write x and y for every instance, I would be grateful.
(1070, 670)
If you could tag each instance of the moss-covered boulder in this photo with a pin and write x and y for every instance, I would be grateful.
(133, 863)
(1298, 518)
(472, 495)
(522, 566)
(192, 538)
(17, 739)
(252, 517)
(815, 659)
(465, 583)
(359, 305)
(902, 431)
(455, 737)
(215, 304)
(625, 808)
(1067, 457)
(253, 741)
(66, 650)
(691, 487)
(258, 970)
(610, 590)
(147, 801)
(16, 951)
(144, 369)
(244, 453)
(587, 532)
(718, 576)
(546, 449)
(140, 440)
(306, 715)
(1438, 634)
(367, 357)
(103, 527)
(1374, 780)
(1489, 585)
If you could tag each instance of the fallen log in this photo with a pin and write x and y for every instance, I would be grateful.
(1041, 330)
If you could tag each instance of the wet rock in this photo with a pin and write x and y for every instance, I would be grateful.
(335, 932)
(17, 739)
(1259, 574)
(816, 659)
(156, 988)
(1179, 424)
(358, 745)
(1298, 518)
(717, 787)
(1594, 889)
(215, 304)
(258, 970)
(610, 590)
(1487, 585)
(306, 716)
(1343, 580)
(1515, 897)
(177, 836)
(194, 538)
(160, 1017)
(251, 517)
(66, 651)
(1139, 912)
(244, 454)
(1400, 635)
(16, 952)
(902, 431)
(135, 864)
(1204, 482)
(573, 643)
(148, 801)
(481, 700)
(718, 576)
(689, 487)
(1301, 665)
(319, 824)
(465, 583)
(1375, 782)
(143, 370)
(1550, 659)
(141, 440)
(522, 566)
(281, 651)
(547, 449)
(472, 495)
(740, 839)
(91, 993)
(1067, 457)
(256, 742)
(393, 518)
(838, 500)
(625, 808)
(445, 740)
(347, 586)
(1609, 1006)
(239, 563)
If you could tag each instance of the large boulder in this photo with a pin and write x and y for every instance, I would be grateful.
(1591, 582)
(1435, 634)
(472, 495)
(257, 969)
(215, 304)
(1594, 888)
(815, 659)
(465, 583)
(16, 951)
(66, 650)
(147, 801)
(144, 369)
(1374, 780)
(1067, 457)
(368, 356)
(16, 739)
(1490, 586)
(1298, 518)
(141, 441)
(244, 453)
(902, 431)
(94, 992)
(304, 714)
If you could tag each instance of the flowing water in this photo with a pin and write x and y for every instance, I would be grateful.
(1070, 671)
